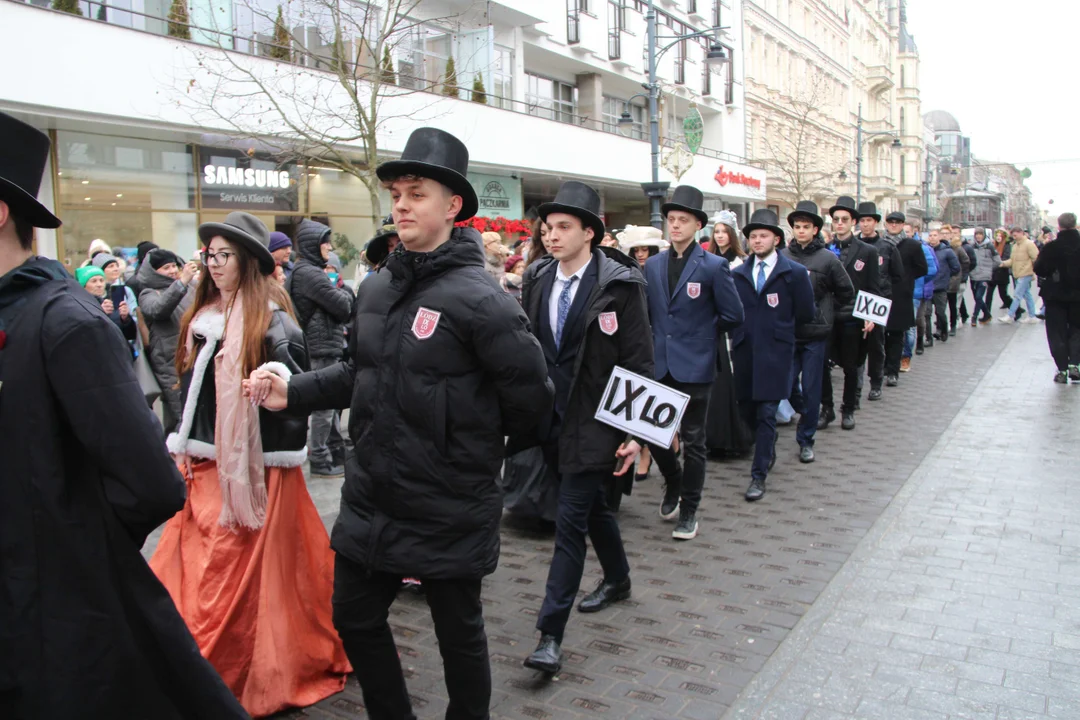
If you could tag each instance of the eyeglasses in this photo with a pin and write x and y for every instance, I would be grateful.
(218, 259)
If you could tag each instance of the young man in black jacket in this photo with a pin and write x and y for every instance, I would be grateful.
(891, 267)
(587, 305)
(902, 316)
(441, 367)
(849, 344)
(322, 308)
(834, 296)
(1059, 265)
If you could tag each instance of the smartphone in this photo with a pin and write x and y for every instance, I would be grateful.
(118, 294)
(333, 278)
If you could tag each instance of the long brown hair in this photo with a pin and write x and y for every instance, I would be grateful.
(733, 242)
(536, 245)
(257, 291)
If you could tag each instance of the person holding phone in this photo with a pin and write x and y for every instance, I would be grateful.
(92, 279)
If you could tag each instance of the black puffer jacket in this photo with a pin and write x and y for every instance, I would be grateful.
(890, 263)
(1059, 267)
(321, 308)
(284, 436)
(833, 292)
(441, 367)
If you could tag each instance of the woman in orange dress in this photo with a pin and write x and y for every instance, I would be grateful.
(248, 561)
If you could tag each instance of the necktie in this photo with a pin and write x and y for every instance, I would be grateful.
(564, 309)
(760, 277)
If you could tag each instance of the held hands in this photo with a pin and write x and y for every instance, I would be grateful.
(628, 453)
(267, 389)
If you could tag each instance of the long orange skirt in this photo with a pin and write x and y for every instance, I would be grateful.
(257, 601)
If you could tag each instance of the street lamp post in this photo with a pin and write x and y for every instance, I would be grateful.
(656, 190)
(859, 134)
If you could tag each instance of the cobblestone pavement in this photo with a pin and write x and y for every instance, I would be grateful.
(963, 600)
(706, 616)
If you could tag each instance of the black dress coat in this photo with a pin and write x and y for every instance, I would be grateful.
(86, 629)
(902, 315)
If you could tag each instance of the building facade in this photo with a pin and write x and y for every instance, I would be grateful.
(151, 146)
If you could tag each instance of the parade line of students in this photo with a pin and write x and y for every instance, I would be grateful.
(247, 607)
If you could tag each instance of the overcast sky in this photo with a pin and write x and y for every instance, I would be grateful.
(1007, 71)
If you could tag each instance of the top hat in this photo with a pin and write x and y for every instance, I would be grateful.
(436, 154)
(763, 219)
(806, 210)
(868, 209)
(688, 199)
(24, 154)
(577, 199)
(895, 216)
(845, 202)
(247, 230)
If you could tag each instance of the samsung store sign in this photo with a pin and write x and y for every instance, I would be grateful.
(221, 176)
(233, 180)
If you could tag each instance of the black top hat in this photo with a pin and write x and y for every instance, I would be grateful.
(247, 230)
(868, 209)
(436, 154)
(24, 155)
(763, 219)
(895, 216)
(845, 203)
(378, 247)
(577, 199)
(805, 210)
(688, 199)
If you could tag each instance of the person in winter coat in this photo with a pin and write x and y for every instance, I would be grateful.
(167, 293)
(497, 253)
(901, 321)
(923, 297)
(322, 308)
(92, 278)
(282, 249)
(1059, 264)
(777, 296)
(587, 305)
(983, 269)
(1022, 264)
(442, 366)
(511, 281)
(86, 630)
(1003, 244)
(958, 282)
(948, 269)
(968, 249)
(891, 266)
(131, 274)
(834, 297)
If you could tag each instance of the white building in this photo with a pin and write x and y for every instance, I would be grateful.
(139, 141)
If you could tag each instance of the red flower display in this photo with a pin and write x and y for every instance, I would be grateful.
(499, 224)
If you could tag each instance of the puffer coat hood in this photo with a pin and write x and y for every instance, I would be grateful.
(321, 307)
(162, 304)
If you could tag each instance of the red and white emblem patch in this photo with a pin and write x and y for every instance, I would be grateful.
(773, 299)
(859, 265)
(880, 260)
(609, 323)
(425, 323)
(693, 290)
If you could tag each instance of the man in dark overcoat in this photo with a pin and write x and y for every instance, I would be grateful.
(776, 296)
(902, 316)
(891, 269)
(86, 629)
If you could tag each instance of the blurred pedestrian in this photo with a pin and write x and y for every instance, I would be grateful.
(281, 248)
(1022, 264)
(515, 270)
(949, 270)
(1059, 264)
(983, 272)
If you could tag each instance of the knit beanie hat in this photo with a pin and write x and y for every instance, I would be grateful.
(83, 274)
(511, 262)
(279, 240)
(143, 248)
(103, 260)
(158, 257)
(98, 246)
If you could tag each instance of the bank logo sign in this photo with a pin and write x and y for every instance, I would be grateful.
(498, 196)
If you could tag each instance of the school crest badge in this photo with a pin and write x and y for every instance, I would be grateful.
(773, 299)
(693, 290)
(859, 265)
(425, 323)
(880, 260)
(609, 323)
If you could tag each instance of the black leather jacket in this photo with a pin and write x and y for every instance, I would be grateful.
(284, 436)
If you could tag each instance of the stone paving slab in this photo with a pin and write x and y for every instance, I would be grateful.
(962, 601)
(706, 616)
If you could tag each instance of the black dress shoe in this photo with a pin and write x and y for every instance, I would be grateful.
(827, 416)
(604, 595)
(806, 454)
(547, 657)
(892, 380)
(919, 351)
(756, 491)
(952, 332)
(847, 422)
(875, 394)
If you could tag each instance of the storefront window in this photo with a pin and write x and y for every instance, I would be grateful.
(173, 230)
(342, 199)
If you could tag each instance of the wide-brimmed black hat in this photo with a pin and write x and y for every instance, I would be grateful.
(378, 247)
(868, 209)
(688, 199)
(845, 203)
(247, 230)
(24, 155)
(436, 154)
(806, 210)
(896, 216)
(577, 199)
(763, 219)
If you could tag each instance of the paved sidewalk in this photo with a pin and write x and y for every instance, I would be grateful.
(963, 600)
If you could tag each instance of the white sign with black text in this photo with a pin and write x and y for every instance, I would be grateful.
(872, 307)
(642, 407)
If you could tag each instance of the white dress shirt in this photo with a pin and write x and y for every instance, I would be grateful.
(769, 263)
(556, 291)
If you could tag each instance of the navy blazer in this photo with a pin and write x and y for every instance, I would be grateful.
(763, 348)
(688, 319)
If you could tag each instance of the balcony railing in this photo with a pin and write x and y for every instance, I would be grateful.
(573, 23)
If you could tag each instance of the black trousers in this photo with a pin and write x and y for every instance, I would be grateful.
(1063, 333)
(1001, 282)
(583, 511)
(690, 478)
(761, 418)
(849, 351)
(953, 311)
(940, 305)
(894, 348)
(361, 607)
(875, 359)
